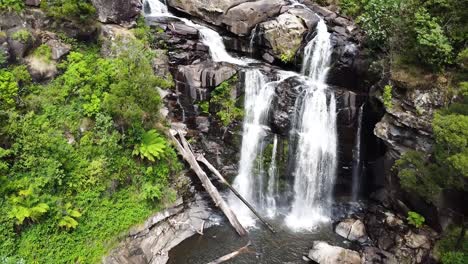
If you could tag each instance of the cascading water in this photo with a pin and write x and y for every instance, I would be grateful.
(258, 97)
(356, 176)
(316, 155)
(272, 190)
(209, 37)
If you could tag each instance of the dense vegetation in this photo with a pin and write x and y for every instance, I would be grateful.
(424, 37)
(82, 157)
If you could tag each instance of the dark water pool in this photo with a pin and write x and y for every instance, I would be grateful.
(286, 246)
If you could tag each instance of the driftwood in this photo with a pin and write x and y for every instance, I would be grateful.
(229, 256)
(185, 151)
(203, 160)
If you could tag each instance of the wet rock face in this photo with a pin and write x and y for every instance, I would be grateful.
(117, 11)
(238, 16)
(324, 253)
(152, 242)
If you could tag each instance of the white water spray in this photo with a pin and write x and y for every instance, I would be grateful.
(316, 154)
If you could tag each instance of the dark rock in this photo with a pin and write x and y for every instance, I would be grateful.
(372, 255)
(117, 11)
(33, 2)
(268, 58)
(20, 40)
(58, 48)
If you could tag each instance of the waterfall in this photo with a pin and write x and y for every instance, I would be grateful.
(209, 37)
(272, 190)
(258, 97)
(253, 34)
(356, 176)
(157, 8)
(315, 128)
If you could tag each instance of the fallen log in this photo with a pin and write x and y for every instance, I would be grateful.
(229, 256)
(203, 160)
(185, 151)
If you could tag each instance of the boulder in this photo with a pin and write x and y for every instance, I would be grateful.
(41, 69)
(117, 11)
(238, 16)
(242, 18)
(20, 40)
(58, 48)
(352, 229)
(323, 253)
(109, 36)
(283, 36)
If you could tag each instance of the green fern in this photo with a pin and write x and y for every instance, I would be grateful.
(27, 206)
(151, 147)
(69, 217)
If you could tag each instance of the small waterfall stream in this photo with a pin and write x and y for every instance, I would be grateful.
(209, 37)
(357, 166)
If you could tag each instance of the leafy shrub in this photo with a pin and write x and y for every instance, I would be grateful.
(452, 248)
(415, 219)
(151, 147)
(351, 7)
(27, 205)
(8, 90)
(221, 98)
(433, 46)
(82, 10)
(22, 35)
(419, 176)
(12, 5)
(462, 59)
(287, 56)
(68, 217)
(387, 97)
(378, 20)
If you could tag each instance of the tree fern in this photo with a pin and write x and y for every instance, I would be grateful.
(27, 206)
(69, 217)
(151, 147)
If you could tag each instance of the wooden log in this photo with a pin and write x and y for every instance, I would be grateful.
(203, 160)
(231, 255)
(187, 154)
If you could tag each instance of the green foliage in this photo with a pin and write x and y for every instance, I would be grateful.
(221, 98)
(43, 52)
(27, 205)
(448, 248)
(12, 5)
(418, 175)
(448, 166)
(287, 56)
(68, 217)
(8, 90)
(387, 96)
(462, 59)
(133, 97)
(205, 107)
(415, 219)
(432, 46)
(22, 35)
(68, 179)
(451, 133)
(151, 147)
(3, 58)
(142, 31)
(81, 10)
(351, 7)
(378, 20)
